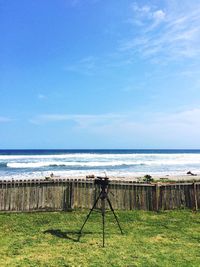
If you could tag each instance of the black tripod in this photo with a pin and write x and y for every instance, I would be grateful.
(103, 182)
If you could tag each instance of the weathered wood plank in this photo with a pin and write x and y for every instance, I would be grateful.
(63, 194)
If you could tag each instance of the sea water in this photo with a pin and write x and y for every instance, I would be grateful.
(30, 164)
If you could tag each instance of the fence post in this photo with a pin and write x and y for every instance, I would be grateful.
(157, 196)
(195, 197)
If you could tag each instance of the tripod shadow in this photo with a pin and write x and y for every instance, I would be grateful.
(70, 235)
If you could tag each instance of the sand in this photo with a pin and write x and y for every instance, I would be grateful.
(137, 178)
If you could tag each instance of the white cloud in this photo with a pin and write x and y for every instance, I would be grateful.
(159, 15)
(143, 15)
(188, 118)
(171, 34)
(179, 129)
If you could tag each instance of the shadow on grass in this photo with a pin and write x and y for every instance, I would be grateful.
(71, 235)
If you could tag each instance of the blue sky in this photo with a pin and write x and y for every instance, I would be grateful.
(99, 74)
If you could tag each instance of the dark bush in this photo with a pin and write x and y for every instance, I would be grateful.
(148, 178)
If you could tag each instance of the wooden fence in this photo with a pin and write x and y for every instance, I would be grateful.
(65, 194)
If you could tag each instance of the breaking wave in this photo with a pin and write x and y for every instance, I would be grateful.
(14, 165)
(69, 164)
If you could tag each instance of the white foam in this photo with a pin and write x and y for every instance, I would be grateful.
(64, 163)
(101, 156)
(94, 162)
(154, 163)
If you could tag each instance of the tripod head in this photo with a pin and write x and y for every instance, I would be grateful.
(102, 181)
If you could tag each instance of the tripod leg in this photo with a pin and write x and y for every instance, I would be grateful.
(114, 214)
(90, 213)
(103, 218)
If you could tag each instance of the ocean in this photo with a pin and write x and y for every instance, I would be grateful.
(31, 164)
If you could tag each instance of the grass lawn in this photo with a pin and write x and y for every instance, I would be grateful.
(50, 239)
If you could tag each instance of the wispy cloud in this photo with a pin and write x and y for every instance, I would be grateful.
(81, 120)
(160, 33)
(178, 129)
(138, 129)
(189, 118)
(145, 15)
(169, 33)
(86, 65)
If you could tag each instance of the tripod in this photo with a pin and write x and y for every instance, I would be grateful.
(103, 196)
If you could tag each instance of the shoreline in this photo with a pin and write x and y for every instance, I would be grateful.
(134, 177)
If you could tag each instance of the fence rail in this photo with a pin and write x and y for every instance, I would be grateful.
(67, 194)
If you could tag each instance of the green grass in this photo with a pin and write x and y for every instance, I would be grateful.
(50, 239)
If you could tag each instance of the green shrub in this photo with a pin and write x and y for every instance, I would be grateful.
(148, 178)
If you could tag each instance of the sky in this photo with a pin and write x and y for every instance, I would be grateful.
(77, 74)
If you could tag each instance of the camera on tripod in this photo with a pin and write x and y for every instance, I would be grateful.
(102, 181)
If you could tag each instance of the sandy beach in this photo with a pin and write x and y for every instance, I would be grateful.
(159, 177)
(136, 178)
